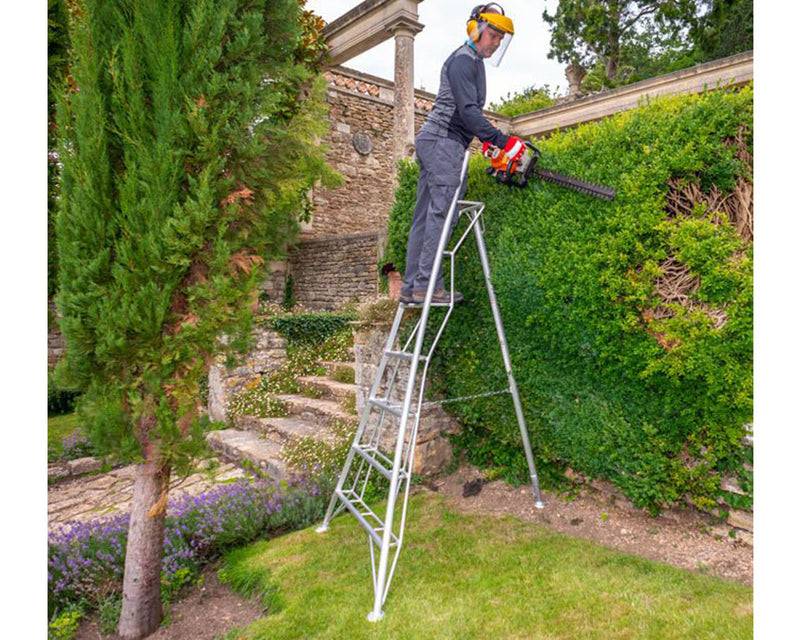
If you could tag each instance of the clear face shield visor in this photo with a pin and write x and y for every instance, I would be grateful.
(491, 42)
(497, 56)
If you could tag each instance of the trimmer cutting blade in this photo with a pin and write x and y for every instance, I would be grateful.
(518, 173)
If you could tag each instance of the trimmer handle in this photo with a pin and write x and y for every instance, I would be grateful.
(512, 172)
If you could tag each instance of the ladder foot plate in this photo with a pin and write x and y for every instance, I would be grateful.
(372, 617)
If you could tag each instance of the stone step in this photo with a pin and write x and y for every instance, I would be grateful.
(316, 409)
(332, 366)
(283, 430)
(247, 448)
(329, 388)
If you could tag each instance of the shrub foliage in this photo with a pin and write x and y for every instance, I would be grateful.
(187, 151)
(311, 328)
(630, 322)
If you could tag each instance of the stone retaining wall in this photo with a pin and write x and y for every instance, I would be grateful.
(223, 382)
(331, 271)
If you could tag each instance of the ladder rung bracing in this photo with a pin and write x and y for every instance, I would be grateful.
(352, 502)
(377, 460)
(393, 408)
(384, 442)
(404, 355)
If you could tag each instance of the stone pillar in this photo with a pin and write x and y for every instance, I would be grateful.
(404, 32)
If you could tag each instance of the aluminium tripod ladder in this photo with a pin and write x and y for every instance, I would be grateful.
(388, 402)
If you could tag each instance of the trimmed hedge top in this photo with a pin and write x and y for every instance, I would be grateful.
(629, 322)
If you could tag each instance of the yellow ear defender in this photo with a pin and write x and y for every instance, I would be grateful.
(499, 21)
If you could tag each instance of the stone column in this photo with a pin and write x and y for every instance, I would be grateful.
(575, 74)
(404, 32)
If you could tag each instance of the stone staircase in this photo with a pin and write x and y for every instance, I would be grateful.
(324, 404)
(258, 443)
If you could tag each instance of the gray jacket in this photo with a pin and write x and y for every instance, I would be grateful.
(458, 110)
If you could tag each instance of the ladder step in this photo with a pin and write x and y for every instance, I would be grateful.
(404, 355)
(391, 407)
(382, 466)
(352, 501)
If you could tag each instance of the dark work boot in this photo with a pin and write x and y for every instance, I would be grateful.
(439, 297)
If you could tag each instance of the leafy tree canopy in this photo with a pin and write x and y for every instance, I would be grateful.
(187, 147)
(724, 30)
(187, 139)
(586, 32)
(530, 99)
(623, 41)
(57, 56)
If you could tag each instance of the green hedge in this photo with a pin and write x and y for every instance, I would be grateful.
(657, 406)
(311, 328)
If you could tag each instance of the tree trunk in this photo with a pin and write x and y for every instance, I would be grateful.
(141, 587)
(611, 68)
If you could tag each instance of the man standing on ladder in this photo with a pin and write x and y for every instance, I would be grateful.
(456, 117)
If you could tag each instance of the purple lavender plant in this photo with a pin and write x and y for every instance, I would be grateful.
(86, 560)
(74, 446)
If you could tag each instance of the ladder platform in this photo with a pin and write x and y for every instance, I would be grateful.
(352, 501)
(378, 461)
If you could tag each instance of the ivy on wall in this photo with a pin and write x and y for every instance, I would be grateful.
(311, 328)
(629, 322)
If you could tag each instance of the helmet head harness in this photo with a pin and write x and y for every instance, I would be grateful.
(490, 16)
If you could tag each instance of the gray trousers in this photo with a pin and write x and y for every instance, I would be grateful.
(440, 161)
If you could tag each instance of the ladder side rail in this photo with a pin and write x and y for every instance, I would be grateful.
(424, 376)
(375, 439)
(362, 424)
(408, 455)
(408, 464)
(380, 594)
(378, 431)
(501, 335)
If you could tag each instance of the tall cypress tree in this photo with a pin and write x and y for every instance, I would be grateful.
(187, 146)
(57, 55)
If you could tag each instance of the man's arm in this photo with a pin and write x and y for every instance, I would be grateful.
(461, 74)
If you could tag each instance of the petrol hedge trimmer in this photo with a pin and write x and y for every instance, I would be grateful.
(517, 173)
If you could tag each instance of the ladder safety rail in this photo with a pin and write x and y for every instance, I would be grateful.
(371, 450)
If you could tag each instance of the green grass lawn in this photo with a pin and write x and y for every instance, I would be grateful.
(466, 577)
(60, 427)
